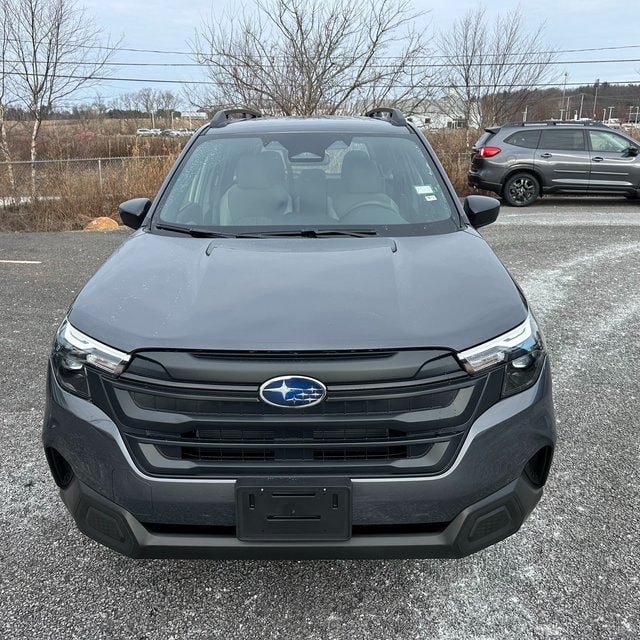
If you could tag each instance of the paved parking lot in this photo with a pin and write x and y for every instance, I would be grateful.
(572, 572)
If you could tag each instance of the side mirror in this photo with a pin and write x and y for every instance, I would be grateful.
(481, 210)
(133, 212)
(632, 151)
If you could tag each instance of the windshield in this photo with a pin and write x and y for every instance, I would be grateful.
(302, 180)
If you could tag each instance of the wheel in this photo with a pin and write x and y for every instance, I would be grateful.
(521, 190)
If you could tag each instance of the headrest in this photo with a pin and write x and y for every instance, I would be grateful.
(275, 166)
(252, 172)
(348, 162)
(365, 177)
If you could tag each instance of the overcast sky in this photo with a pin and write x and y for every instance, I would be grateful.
(569, 24)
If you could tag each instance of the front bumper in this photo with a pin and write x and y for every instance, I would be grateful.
(482, 498)
(480, 525)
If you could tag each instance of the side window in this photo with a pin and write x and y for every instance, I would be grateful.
(606, 141)
(527, 139)
(562, 140)
(191, 184)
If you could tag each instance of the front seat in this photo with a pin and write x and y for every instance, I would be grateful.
(255, 198)
(364, 200)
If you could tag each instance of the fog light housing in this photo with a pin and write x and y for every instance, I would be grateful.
(522, 372)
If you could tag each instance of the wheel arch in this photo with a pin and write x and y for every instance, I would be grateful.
(536, 173)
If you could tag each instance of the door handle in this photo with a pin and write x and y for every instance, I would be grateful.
(598, 159)
(546, 155)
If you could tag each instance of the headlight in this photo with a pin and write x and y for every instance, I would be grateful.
(73, 350)
(521, 350)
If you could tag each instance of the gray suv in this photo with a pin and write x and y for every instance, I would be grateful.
(306, 349)
(522, 161)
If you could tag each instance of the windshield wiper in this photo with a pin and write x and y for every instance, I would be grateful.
(196, 232)
(203, 232)
(310, 233)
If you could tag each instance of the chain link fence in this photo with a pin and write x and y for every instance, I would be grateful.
(49, 173)
(49, 195)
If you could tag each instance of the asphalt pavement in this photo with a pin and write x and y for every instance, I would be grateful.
(571, 572)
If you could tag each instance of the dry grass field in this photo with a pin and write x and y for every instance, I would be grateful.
(72, 185)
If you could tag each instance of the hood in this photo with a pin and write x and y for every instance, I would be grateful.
(157, 291)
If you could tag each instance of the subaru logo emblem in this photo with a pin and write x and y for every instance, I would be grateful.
(292, 392)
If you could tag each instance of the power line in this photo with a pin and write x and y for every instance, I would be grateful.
(399, 86)
(375, 66)
(444, 57)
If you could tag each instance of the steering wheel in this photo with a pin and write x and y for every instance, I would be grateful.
(389, 214)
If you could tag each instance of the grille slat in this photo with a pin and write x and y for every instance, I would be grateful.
(293, 443)
(251, 406)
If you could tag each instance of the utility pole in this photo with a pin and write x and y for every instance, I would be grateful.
(604, 114)
(568, 109)
(595, 100)
(610, 110)
(564, 89)
(526, 109)
(581, 102)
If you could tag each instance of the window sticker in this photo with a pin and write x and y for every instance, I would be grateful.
(430, 198)
(423, 188)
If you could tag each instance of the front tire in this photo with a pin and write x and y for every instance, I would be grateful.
(521, 190)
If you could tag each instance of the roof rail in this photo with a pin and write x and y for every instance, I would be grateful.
(395, 116)
(222, 117)
(555, 123)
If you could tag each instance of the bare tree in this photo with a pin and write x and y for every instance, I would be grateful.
(58, 50)
(6, 69)
(149, 101)
(301, 57)
(167, 104)
(126, 108)
(493, 66)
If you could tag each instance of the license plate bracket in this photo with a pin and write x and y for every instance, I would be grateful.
(293, 509)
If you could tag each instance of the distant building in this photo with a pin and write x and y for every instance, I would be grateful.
(195, 115)
(434, 118)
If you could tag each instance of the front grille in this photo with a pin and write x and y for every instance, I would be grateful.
(226, 455)
(263, 454)
(160, 400)
(366, 453)
(371, 427)
(263, 445)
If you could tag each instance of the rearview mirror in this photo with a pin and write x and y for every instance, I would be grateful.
(133, 212)
(481, 210)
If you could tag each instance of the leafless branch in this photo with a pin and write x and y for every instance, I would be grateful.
(302, 57)
(493, 66)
